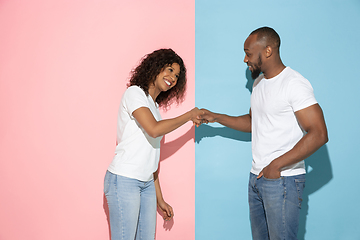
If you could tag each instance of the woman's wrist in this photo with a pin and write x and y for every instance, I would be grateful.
(192, 114)
(160, 200)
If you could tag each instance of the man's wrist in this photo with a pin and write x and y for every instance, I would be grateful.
(275, 164)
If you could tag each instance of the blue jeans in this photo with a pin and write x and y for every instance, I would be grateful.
(275, 206)
(132, 207)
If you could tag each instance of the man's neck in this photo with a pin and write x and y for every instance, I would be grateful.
(273, 71)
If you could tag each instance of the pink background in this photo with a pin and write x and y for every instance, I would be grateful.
(63, 69)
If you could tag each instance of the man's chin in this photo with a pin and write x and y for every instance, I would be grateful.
(255, 74)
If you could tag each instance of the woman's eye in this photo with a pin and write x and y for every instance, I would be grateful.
(170, 69)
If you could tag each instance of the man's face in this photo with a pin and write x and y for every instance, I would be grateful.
(252, 57)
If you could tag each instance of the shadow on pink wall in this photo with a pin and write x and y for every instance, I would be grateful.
(167, 150)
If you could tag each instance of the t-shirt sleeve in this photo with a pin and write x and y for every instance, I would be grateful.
(301, 94)
(135, 98)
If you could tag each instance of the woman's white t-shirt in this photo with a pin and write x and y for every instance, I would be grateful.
(137, 154)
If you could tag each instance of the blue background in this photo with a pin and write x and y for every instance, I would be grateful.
(320, 39)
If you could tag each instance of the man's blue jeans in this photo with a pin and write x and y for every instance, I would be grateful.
(132, 207)
(275, 206)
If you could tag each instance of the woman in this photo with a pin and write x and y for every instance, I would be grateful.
(131, 183)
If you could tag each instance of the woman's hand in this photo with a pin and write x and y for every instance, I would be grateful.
(195, 116)
(166, 209)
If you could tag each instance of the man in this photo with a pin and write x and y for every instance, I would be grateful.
(287, 126)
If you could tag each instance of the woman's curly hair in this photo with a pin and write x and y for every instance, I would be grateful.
(150, 66)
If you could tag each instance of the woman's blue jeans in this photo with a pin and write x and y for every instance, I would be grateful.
(275, 206)
(132, 207)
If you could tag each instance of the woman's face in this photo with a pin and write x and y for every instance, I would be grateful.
(168, 77)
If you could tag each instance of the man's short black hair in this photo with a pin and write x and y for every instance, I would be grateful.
(268, 35)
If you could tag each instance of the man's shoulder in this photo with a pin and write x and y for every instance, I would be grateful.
(291, 73)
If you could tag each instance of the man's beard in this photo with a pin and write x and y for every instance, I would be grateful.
(256, 69)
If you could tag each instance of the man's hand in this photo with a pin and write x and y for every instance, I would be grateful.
(270, 172)
(207, 116)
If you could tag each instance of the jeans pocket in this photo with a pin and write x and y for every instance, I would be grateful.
(300, 185)
(272, 179)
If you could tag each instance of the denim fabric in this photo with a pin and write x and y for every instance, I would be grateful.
(132, 207)
(275, 206)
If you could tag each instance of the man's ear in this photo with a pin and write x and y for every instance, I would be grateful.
(268, 51)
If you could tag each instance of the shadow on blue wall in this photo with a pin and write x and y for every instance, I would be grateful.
(319, 173)
(205, 131)
(249, 79)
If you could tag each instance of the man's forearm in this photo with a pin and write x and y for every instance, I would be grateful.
(308, 145)
(240, 123)
(311, 119)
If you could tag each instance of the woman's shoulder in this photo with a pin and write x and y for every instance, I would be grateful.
(135, 90)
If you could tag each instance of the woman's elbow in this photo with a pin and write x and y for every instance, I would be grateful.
(154, 134)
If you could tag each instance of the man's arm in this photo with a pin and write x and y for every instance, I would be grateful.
(240, 123)
(311, 120)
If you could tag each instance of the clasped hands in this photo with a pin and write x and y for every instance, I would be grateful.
(200, 116)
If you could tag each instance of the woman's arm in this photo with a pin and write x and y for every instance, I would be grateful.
(159, 128)
(167, 210)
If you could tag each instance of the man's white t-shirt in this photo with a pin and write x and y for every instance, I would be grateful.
(137, 154)
(275, 129)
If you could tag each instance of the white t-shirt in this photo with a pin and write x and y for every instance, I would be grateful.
(275, 129)
(137, 154)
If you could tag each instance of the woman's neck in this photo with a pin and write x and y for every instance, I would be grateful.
(153, 92)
